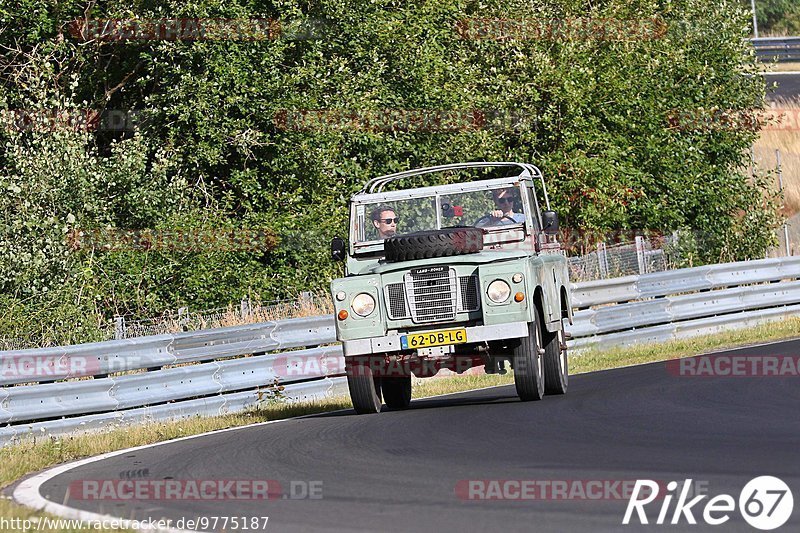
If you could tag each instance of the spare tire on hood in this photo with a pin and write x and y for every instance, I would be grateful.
(433, 243)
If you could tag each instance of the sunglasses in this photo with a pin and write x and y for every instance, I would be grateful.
(389, 220)
(504, 200)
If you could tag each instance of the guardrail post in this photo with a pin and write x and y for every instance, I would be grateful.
(183, 318)
(306, 300)
(780, 188)
(640, 254)
(245, 308)
(602, 259)
(119, 327)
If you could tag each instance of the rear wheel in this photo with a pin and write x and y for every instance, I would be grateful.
(397, 391)
(528, 363)
(365, 390)
(556, 371)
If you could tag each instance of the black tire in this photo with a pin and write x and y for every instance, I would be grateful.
(528, 363)
(434, 243)
(556, 364)
(365, 390)
(397, 391)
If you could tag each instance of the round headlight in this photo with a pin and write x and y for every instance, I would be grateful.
(498, 291)
(363, 304)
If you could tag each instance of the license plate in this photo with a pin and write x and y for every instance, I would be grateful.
(433, 338)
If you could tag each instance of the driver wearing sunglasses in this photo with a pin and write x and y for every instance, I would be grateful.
(504, 209)
(385, 221)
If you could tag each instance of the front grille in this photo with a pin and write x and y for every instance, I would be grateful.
(432, 294)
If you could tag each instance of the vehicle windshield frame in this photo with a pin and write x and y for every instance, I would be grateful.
(521, 183)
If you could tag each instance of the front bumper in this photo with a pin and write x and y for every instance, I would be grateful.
(391, 343)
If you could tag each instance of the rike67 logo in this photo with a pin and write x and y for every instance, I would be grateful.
(765, 503)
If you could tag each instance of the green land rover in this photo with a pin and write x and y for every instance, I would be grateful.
(452, 276)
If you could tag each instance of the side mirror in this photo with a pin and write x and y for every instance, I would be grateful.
(338, 250)
(550, 222)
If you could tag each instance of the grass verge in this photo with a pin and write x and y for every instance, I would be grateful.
(32, 456)
(789, 66)
(593, 360)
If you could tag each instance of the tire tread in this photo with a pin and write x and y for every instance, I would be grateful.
(433, 244)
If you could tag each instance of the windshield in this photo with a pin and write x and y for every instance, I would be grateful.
(498, 207)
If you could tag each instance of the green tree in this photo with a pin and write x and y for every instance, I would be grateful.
(776, 17)
(213, 152)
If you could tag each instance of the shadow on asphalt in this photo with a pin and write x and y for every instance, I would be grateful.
(436, 403)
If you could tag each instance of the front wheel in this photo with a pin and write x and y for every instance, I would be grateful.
(397, 391)
(365, 390)
(528, 363)
(556, 369)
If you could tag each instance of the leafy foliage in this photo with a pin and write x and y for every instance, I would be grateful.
(590, 112)
(776, 17)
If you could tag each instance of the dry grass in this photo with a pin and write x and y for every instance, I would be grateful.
(787, 140)
(788, 66)
(233, 315)
(314, 305)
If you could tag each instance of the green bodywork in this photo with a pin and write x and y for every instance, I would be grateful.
(545, 280)
(525, 251)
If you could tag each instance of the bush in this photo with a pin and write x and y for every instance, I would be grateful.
(213, 152)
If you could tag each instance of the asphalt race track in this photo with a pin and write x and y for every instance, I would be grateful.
(788, 86)
(398, 471)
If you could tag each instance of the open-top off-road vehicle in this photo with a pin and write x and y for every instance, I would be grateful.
(471, 274)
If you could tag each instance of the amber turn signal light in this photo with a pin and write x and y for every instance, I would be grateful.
(342, 314)
(519, 297)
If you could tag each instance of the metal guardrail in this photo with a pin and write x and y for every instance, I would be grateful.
(672, 309)
(133, 390)
(216, 371)
(210, 406)
(684, 280)
(162, 350)
(687, 329)
(777, 48)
